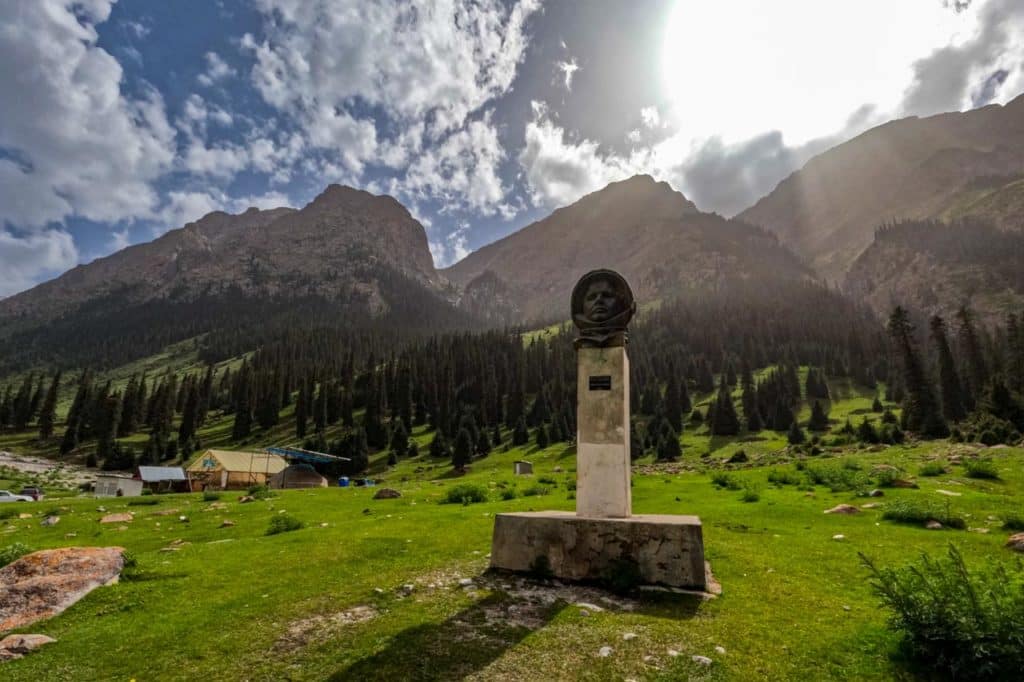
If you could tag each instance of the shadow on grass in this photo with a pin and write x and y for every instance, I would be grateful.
(460, 646)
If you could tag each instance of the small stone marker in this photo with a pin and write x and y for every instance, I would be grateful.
(117, 518)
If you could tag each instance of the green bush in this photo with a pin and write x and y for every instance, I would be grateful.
(918, 513)
(210, 496)
(8, 512)
(886, 477)
(508, 494)
(1013, 522)
(535, 490)
(750, 495)
(724, 480)
(955, 623)
(261, 492)
(547, 480)
(283, 523)
(842, 478)
(13, 552)
(465, 493)
(981, 468)
(144, 502)
(783, 477)
(932, 469)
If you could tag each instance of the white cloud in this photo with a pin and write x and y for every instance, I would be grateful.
(119, 239)
(451, 248)
(26, 259)
(568, 69)
(461, 171)
(424, 68)
(216, 70)
(184, 207)
(558, 171)
(650, 117)
(82, 147)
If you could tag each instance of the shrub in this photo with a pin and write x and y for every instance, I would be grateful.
(750, 495)
(508, 494)
(953, 622)
(283, 523)
(210, 496)
(783, 477)
(547, 480)
(465, 493)
(932, 469)
(13, 552)
(981, 468)
(144, 502)
(535, 490)
(724, 480)
(886, 477)
(261, 492)
(8, 512)
(919, 513)
(1015, 523)
(837, 478)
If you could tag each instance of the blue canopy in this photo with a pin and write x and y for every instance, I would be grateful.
(300, 455)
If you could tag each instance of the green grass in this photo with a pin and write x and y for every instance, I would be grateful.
(794, 599)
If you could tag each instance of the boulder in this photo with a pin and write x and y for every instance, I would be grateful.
(843, 509)
(227, 523)
(16, 646)
(900, 483)
(933, 525)
(245, 498)
(117, 518)
(386, 494)
(50, 521)
(738, 457)
(876, 493)
(1016, 542)
(42, 584)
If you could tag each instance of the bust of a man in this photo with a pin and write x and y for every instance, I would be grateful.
(602, 306)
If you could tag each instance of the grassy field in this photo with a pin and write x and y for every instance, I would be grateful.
(327, 601)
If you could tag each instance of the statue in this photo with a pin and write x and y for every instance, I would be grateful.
(602, 306)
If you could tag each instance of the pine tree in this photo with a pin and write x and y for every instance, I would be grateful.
(725, 421)
(243, 405)
(48, 413)
(399, 438)
(302, 410)
(977, 370)
(668, 443)
(106, 428)
(521, 435)
(483, 444)
(795, 435)
(674, 401)
(462, 453)
(949, 380)
(189, 421)
(439, 448)
(921, 410)
(876, 405)
(819, 418)
(542, 437)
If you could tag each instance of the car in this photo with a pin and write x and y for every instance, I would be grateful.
(8, 496)
(33, 492)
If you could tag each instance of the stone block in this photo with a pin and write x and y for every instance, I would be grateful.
(602, 439)
(667, 550)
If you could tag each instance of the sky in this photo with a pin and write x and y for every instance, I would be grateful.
(122, 120)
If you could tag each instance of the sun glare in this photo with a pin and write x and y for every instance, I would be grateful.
(800, 66)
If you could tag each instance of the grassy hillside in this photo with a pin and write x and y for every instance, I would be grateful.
(328, 601)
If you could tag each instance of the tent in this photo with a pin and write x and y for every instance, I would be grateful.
(299, 475)
(227, 469)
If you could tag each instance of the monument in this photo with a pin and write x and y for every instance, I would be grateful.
(603, 536)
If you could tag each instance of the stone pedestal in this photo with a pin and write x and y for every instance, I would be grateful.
(665, 550)
(602, 436)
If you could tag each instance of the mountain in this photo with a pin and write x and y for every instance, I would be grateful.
(647, 231)
(347, 258)
(952, 165)
(935, 267)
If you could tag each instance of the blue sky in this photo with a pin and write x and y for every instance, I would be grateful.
(121, 120)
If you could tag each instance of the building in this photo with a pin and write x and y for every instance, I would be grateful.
(164, 479)
(229, 470)
(522, 468)
(300, 475)
(117, 485)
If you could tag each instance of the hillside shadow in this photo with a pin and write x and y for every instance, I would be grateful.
(464, 644)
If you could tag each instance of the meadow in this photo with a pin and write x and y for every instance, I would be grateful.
(373, 589)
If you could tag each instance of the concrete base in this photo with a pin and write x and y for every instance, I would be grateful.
(667, 550)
